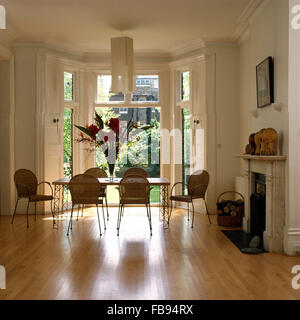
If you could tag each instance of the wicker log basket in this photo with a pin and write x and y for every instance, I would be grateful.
(230, 212)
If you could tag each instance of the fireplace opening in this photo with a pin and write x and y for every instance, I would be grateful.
(258, 207)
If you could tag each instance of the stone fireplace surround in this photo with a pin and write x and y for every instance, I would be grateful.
(273, 167)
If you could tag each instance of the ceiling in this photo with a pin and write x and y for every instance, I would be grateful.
(155, 25)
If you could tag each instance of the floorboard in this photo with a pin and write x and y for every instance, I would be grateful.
(178, 263)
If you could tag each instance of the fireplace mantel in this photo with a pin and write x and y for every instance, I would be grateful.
(261, 158)
(273, 167)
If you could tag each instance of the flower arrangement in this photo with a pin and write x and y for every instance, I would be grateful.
(108, 136)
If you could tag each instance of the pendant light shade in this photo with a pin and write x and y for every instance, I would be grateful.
(122, 65)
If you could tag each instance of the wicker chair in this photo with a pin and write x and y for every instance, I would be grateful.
(85, 189)
(134, 189)
(136, 171)
(197, 186)
(27, 186)
(99, 173)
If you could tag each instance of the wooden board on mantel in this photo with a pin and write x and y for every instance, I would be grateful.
(262, 158)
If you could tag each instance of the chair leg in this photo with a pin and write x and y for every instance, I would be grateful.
(193, 214)
(13, 217)
(150, 219)
(170, 212)
(99, 220)
(53, 215)
(207, 211)
(188, 208)
(82, 210)
(35, 211)
(119, 210)
(27, 213)
(107, 214)
(120, 218)
(103, 216)
(78, 212)
(70, 221)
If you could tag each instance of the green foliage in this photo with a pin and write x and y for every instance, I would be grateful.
(185, 86)
(99, 121)
(140, 149)
(68, 86)
(84, 130)
(68, 143)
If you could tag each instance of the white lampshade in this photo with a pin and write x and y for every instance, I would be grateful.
(122, 65)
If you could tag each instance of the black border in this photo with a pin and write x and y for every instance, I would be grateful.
(271, 80)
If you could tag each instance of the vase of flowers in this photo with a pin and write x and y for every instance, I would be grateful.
(108, 137)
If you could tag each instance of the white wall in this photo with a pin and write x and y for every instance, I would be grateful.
(25, 111)
(25, 107)
(292, 228)
(227, 125)
(6, 136)
(268, 36)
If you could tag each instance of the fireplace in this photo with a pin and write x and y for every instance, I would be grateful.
(258, 207)
(265, 214)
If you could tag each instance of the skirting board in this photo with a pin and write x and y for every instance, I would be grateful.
(291, 240)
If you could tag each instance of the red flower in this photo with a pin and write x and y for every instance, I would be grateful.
(93, 130)
(114, 125)
(105, 138)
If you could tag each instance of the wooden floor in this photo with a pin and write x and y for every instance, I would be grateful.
(178, 263)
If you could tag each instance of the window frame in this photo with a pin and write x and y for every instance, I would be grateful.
(181, 86)
(179, 102)
(75, 102)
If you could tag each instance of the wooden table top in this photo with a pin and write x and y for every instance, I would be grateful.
(116, 181)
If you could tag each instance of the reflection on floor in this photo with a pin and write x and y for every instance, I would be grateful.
(178, 263)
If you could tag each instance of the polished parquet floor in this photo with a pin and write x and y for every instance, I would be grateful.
(178, 263)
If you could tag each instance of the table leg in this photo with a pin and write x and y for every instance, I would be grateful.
(64, 204)
(57, 189)
(164, 204)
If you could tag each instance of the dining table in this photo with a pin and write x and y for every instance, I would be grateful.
(61, 205)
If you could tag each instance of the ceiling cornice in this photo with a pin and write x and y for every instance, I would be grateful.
(248, 15)
(187, 47)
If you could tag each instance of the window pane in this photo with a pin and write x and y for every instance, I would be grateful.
(147, 88)
(186, 145)
(68, 149)
(68, 142)
(68, 85)
(141, 151)
(104, 93)
(185, 86)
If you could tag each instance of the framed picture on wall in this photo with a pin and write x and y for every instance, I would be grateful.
(265, 83)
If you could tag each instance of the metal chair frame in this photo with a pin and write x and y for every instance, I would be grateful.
(103, 175)
(100, 201)
(122, 204)
(29, 195)
(136, 172)
(192, 197)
